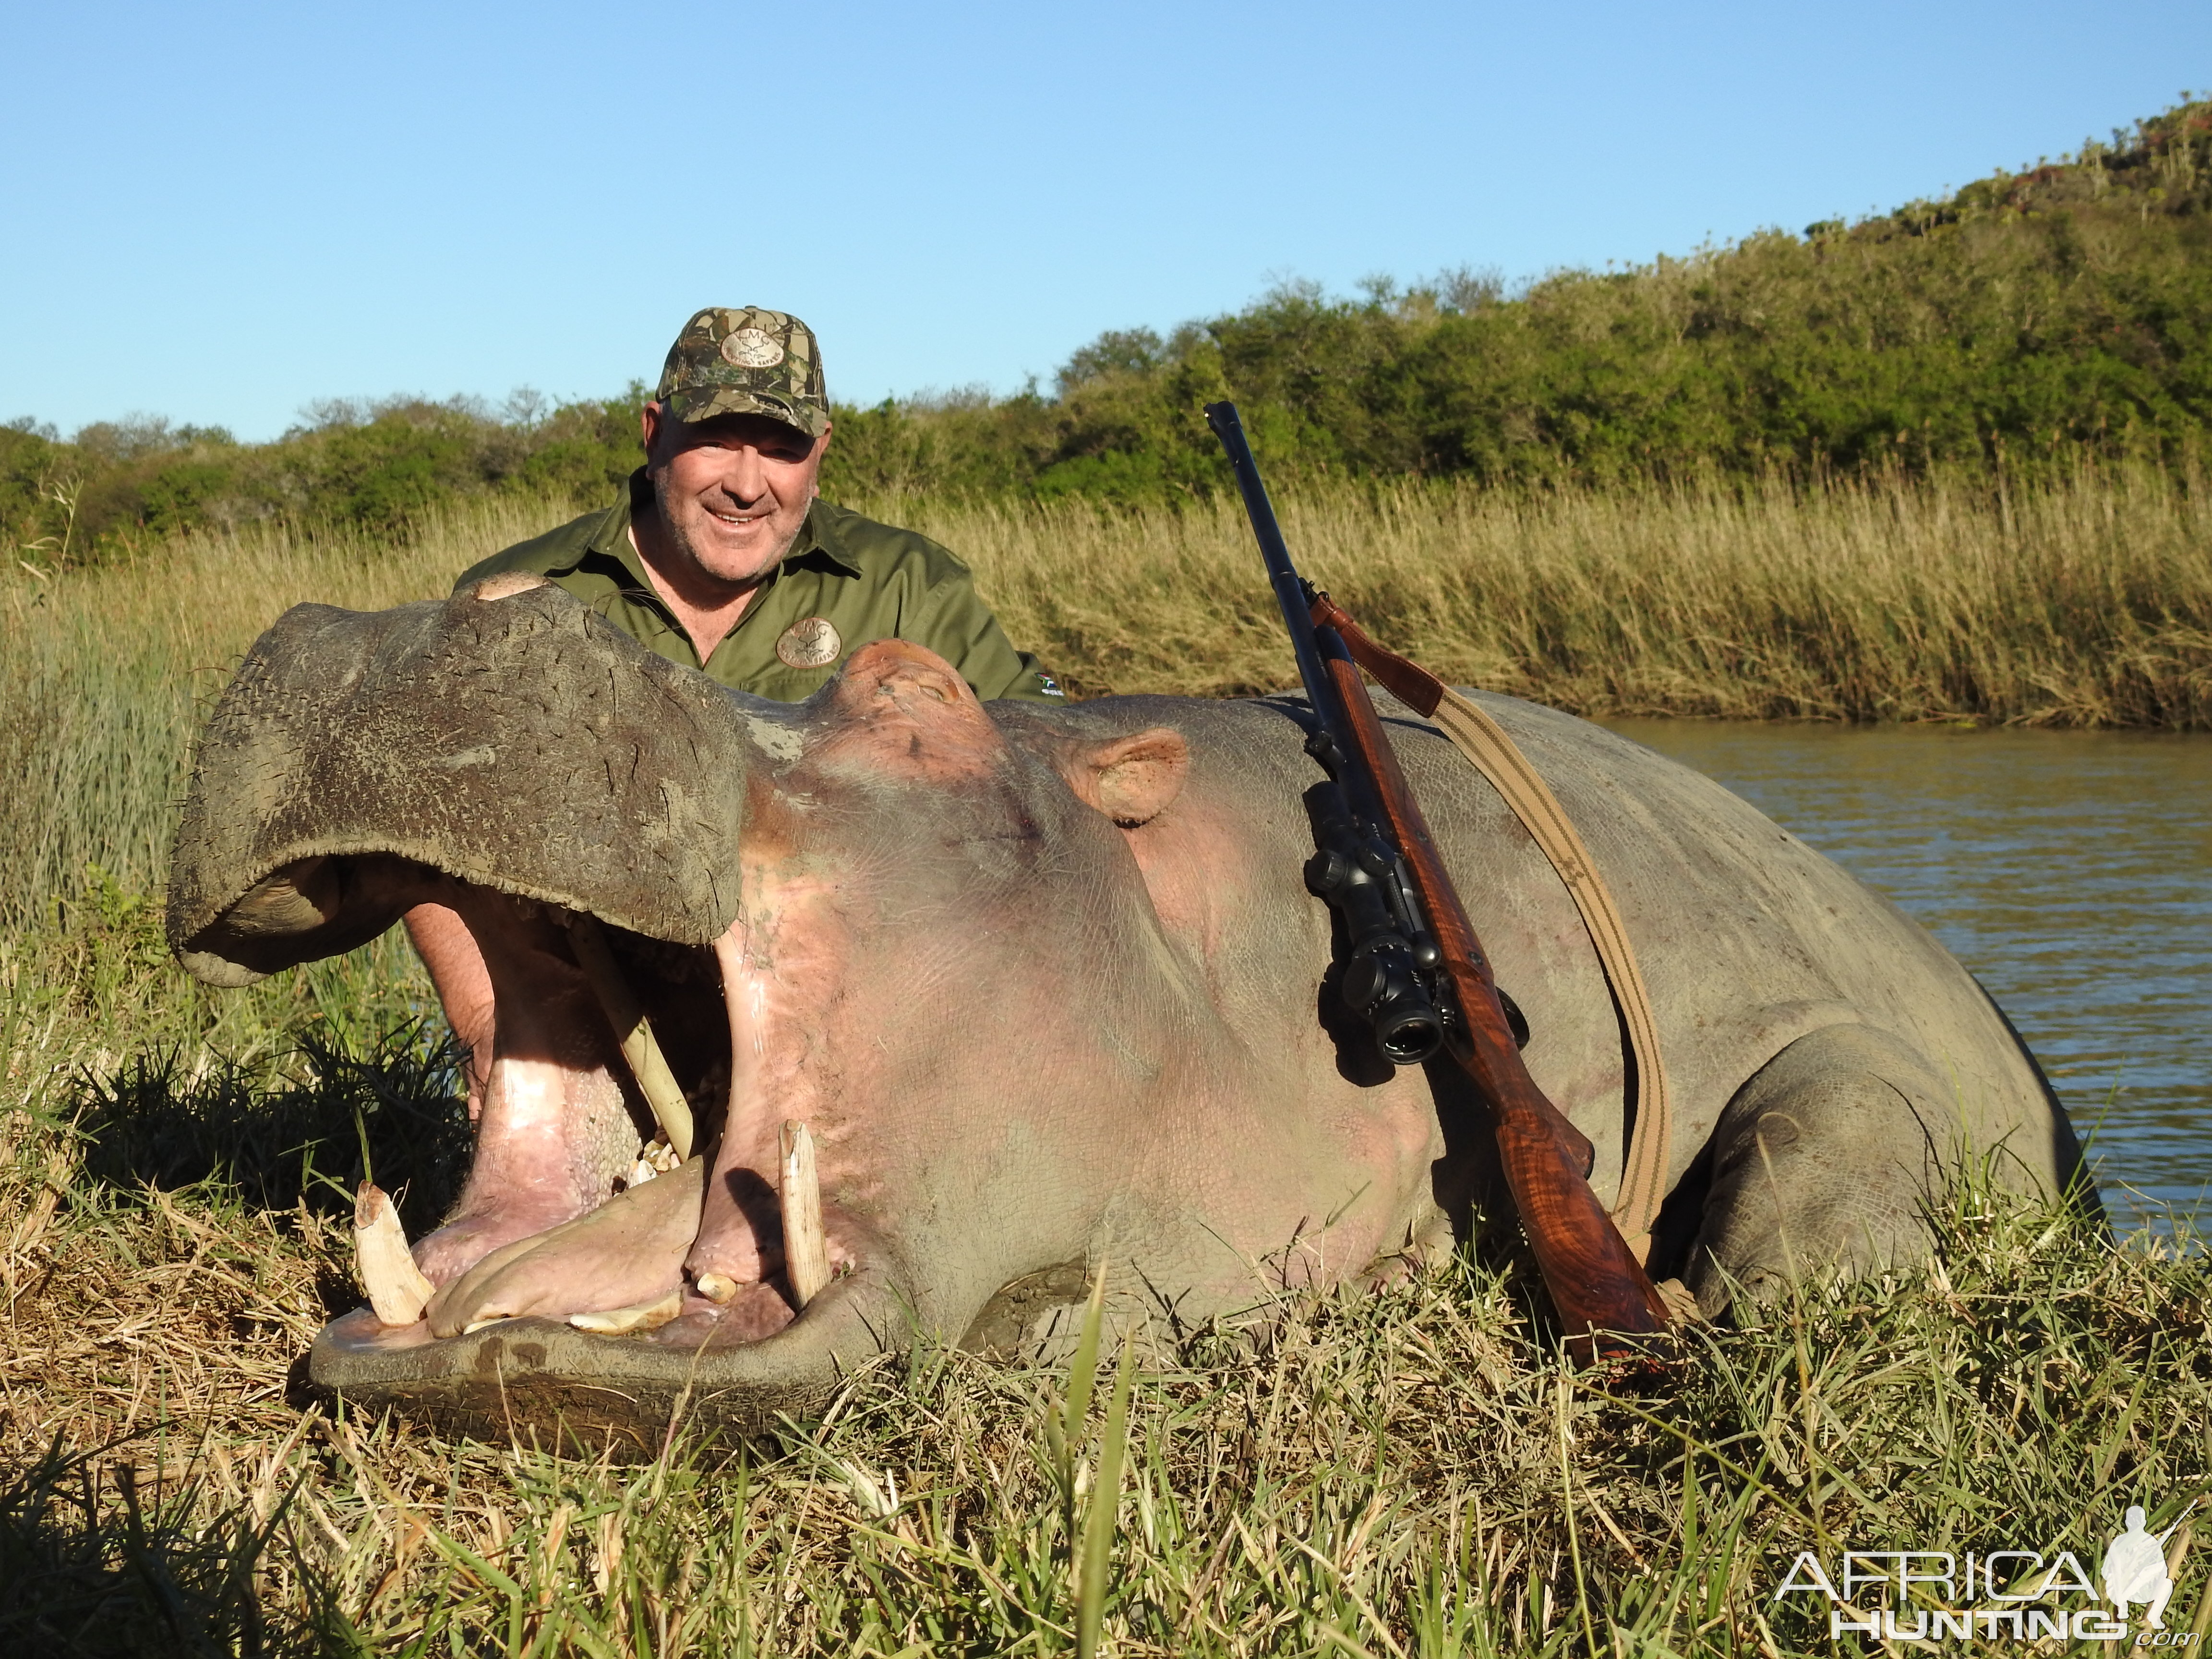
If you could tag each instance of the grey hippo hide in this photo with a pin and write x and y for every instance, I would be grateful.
(1047, 986)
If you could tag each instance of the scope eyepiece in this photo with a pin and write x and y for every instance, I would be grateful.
(1408, 1034)
(1379, 984)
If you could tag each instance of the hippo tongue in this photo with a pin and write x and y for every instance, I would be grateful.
(628, 1252)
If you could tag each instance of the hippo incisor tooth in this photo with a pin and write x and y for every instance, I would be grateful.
(645, 1316)
(396, 1288)
(717, 1288)
(806, 1252)
(634, 1031)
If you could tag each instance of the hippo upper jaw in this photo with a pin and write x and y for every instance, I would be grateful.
(466, 737)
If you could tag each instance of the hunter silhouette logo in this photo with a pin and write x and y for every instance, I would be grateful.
(2027, 1596)
(2136, 1568)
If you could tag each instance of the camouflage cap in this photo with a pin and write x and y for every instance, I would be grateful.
(746, 361)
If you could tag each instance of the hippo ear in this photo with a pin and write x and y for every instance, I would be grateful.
(1130, 780)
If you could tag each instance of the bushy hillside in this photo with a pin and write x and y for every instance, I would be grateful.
(2066, 306)
(2063, 308)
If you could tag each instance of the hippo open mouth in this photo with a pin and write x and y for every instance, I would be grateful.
(662, 1110)
(639, 1207)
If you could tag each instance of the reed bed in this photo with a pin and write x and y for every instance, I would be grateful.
(2087, 603)
(1414, 1471)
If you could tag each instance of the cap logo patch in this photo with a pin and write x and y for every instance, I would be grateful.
(809, 643)
(750, 348)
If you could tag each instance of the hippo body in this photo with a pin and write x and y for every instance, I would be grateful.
(1049, 988)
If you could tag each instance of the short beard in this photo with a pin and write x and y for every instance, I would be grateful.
(679, 534)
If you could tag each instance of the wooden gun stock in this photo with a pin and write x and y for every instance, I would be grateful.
(1594, 1281)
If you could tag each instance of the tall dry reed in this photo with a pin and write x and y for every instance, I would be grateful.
(2087, 604)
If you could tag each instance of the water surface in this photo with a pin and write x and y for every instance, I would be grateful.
(2070, 870)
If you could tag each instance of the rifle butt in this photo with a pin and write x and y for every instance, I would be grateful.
(1605, 1300)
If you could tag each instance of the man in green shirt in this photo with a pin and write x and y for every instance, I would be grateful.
(721, 556)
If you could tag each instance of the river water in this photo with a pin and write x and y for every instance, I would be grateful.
(2070, 870)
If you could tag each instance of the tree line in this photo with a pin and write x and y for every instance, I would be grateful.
(2032, 318)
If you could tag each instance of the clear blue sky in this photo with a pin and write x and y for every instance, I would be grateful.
(220, 213)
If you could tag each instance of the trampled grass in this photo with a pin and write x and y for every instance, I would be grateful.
(1407, 1473)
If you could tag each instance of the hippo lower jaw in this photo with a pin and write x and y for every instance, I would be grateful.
(552, 1224)
(532, 1377)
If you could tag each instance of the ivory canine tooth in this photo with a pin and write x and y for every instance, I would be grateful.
(805, 1251)
(717, 1288)
(634, 1031)
(644, 1316)
(396, 1288)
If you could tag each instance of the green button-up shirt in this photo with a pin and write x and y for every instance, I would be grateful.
(846, 580)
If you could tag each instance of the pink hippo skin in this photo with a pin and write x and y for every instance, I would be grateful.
(1046, 987)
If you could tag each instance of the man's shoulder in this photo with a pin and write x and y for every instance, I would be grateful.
(554, 553)
(881, 550)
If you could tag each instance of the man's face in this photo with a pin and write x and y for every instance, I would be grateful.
(732, 489)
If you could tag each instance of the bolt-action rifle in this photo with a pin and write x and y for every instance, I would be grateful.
(1414, 969)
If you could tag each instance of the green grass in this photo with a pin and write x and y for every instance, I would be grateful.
(1411, 1471)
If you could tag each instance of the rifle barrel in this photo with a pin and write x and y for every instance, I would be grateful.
(1282, 574)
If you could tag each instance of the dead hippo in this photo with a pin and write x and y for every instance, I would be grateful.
(1047, 987)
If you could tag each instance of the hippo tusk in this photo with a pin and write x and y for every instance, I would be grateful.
(805, 1251)
(644, 1316)
(718, 1288)
(397, 1290)
(634, 1031)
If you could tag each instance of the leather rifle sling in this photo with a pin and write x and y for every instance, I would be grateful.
(1496, 756)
